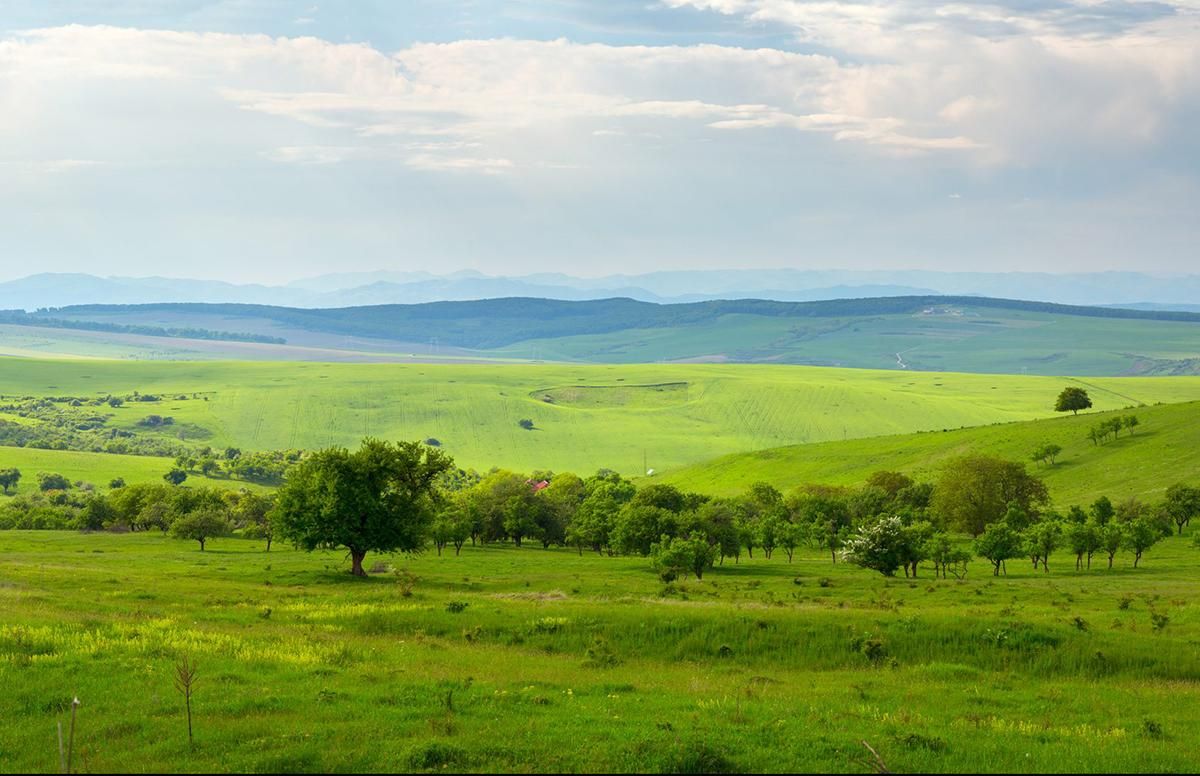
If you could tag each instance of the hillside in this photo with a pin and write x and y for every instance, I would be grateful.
(921, 333)
(1164, 449)
(585, 417)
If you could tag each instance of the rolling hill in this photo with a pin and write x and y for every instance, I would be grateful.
(1164, 449)
(922, 333)
(585, 417)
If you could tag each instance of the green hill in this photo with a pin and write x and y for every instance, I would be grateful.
(925, 333)
(585, 417)
(1163, 450)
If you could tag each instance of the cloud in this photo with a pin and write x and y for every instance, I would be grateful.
(1021, 82)
(838, 145)
(494, 94)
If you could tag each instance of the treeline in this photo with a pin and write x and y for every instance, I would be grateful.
(266, 467)
(406, 497)
(891, 523)
(41, 318)
(140, 507)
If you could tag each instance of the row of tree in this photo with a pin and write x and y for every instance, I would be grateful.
(1112, 428)
(387, 497)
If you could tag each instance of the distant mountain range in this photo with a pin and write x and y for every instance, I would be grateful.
(375, 288)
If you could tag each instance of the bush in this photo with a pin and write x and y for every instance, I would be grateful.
(52, 482)
(526, 424)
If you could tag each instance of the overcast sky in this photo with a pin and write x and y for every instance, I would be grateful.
(265, 140)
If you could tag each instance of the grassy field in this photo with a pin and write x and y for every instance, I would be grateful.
(97, 468)
(561, 662)
(585, 417)
(1162, 451)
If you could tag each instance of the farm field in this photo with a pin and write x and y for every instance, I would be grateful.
(533, 660)
(585, 417)
(1163, 450)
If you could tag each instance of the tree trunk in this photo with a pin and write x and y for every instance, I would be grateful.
(356, 559)
(201, 545)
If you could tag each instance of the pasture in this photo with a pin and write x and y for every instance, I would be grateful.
(1159, 453)
(585, 417)
(544, 660)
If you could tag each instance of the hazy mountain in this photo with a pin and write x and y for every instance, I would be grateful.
(385, 287)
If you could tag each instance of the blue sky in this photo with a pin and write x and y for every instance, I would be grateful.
(257, 140)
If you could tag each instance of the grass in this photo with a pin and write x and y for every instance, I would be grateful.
(598, 417)
(532, 660)
(1161, 452)
(97, 468)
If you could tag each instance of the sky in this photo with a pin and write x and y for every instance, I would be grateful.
(268, 140)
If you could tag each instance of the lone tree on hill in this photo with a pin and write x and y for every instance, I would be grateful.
(379, 498)
(1073, 400)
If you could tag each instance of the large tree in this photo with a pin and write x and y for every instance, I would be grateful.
(975, 491)
(377, 499)
(1073, 400)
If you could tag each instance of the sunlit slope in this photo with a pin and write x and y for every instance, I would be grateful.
(1164, 449)
(96, 468)
(708, 410)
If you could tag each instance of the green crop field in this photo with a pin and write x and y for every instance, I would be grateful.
(1163, 450)
(585, 417)
(531, 660)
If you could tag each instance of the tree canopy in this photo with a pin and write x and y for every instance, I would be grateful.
(975, 491)
(376, 499)
(1073, 399)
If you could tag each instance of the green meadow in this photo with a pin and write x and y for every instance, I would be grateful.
(1160, 452)
(585, 417)
(545, 660)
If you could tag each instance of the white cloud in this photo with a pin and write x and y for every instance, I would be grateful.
(494, 94)
(1021, 83)
(527, 148)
